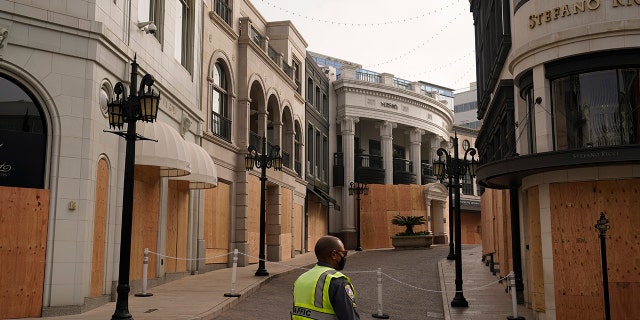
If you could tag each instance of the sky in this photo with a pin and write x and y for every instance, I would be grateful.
(416, 40)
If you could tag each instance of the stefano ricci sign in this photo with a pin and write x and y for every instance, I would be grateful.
(575, 8)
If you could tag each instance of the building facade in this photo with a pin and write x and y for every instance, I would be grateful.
(558, 96)
(386, 135)
(226, 78)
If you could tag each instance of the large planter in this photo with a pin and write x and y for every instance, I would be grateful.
(421, 241)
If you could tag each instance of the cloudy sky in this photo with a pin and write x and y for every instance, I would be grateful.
(428, 40)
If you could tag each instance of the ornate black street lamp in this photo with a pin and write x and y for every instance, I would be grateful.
(263, 161)
(602, 226)
(455, 169)
(358, 188)
(139, 105)
(452, 251)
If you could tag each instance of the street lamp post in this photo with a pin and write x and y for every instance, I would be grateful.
(452, 252)
(358, 188)
(454, 168)
(139, 105)
(602, 226)
(263, 161)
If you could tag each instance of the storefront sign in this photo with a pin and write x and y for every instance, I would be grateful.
(389, 105)
(572, 9)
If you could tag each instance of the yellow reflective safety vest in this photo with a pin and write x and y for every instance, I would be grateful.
(311, 294)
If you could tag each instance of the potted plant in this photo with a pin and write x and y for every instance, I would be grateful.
(410, 239)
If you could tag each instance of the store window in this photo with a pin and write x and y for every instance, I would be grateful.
(220, 122)
(21, 124)
(184, 33)
(596, 109)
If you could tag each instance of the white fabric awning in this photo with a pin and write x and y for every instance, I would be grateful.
(170, 153)
(204, 174)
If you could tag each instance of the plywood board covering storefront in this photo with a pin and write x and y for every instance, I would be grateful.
(23, 244)
(575, 208)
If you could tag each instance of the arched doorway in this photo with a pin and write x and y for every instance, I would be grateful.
(25, 201)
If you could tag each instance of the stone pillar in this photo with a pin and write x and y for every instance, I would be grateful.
(348, 130)
(277, 134)
(439, 213)
(262, 123)
(288, 144)
(386, 137)
(241, 127)
(429, 217)
(415, 137)
(274, 223)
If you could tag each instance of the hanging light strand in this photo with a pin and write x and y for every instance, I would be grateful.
(370, 24)
(414, 49)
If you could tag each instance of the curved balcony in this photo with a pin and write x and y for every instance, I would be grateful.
(403, 171)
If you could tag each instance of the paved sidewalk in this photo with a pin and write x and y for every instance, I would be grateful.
(202, 296)
(487, 299)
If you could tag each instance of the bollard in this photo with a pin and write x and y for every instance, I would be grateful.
(145, 270)
(380, 314)
(233, 276)
(514, 299)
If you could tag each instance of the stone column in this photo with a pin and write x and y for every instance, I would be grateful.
(386, 137)
(429, 217)
(277, 134)
(288, 144)
(262, 123)
(274, 223)
(348, 130)
(415, 137)
(241, 127)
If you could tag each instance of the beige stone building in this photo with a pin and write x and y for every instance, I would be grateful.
(559, 99)
(226, 77)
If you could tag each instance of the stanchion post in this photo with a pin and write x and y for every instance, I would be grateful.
(233, 292)
(380, 314)
(514, 298)
(145, 273)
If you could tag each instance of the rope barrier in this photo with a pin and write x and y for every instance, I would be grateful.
(236, 252)
(189, 259)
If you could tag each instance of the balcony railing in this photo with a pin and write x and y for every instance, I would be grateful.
(256, 37)
(403, 171)
(223, 10)
(247, 29)
(366, 75)
(427, 173)
(221, 126)
(369, 168)
(255, 140)
(401, 83)
(273, 54)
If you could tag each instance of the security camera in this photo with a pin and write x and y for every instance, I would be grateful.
(148, 27)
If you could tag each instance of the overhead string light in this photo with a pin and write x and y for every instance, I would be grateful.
(414, 49)
(370, 24)
(440, 67)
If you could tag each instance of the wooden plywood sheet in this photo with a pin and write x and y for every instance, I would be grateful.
(536, 271)
(23, 240)
(99, 229)
(144, 232)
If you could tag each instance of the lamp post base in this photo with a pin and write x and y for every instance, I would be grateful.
(459, 301)
(452, 255)
(262, 272)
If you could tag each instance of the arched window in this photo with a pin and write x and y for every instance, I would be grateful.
(21, 124)
(220, 122)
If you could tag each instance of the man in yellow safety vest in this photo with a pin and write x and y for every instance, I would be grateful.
(323, 292)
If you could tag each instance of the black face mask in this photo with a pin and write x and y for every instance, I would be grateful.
(342, 262)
